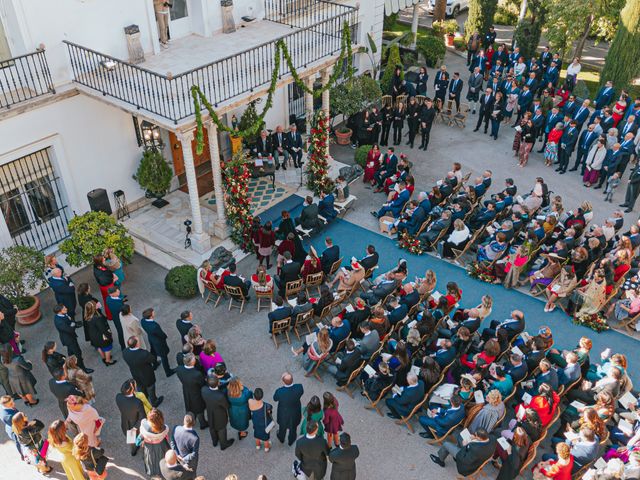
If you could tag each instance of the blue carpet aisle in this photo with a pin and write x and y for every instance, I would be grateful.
(565, 333)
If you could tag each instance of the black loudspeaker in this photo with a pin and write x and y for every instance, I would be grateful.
(99, 201)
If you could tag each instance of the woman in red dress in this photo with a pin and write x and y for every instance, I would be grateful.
(373, 162)
(557, 468)
(619, 109)
(287, 245)
(266, 241)
(311, 264)
(105, 279)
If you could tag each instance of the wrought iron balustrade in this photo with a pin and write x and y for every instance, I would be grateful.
(23, 78)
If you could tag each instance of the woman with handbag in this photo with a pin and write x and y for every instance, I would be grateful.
(93, 459)
(99, 332)
(60, 440)
(85, 417)
(33, 447)
(261, 415)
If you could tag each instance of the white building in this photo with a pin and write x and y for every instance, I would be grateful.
(72, 100)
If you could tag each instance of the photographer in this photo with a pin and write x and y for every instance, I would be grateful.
(161, 9)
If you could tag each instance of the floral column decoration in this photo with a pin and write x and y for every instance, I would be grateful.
(235, 178)
(318, 159)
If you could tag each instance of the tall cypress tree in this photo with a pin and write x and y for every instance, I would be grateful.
(622, 65)
(481, 13)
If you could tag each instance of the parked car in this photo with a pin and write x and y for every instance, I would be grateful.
(454, 7)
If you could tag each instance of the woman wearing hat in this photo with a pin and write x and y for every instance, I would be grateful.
(311, 264)
(347, 279)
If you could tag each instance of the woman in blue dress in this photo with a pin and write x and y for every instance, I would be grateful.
(261, 415)
(239, 414)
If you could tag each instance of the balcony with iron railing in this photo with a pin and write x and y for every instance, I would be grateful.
(23, 78)
(224, 66)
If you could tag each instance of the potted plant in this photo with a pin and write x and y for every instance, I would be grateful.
(21, 275)
(448, 29)
(350, 98)
(154, 176)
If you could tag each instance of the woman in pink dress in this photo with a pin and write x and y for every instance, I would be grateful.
(86, 418)
(619, 109)
(209, 357)
(373, 162)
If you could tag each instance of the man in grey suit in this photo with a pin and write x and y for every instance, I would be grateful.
(370, 341)
(309, 216)
(437, 227)
(171, 469)
(469, 457)
(633, 189)
(312, 451)
(475, 87)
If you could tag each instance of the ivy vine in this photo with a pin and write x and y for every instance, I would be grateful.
(281, 53)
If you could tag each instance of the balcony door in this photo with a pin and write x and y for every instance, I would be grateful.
(180, 19)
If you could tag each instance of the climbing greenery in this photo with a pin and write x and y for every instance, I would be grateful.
(345, 67)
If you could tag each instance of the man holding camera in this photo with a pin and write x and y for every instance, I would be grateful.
(161, 8)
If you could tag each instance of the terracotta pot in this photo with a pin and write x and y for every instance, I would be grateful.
(449, 39)
(343, 137)
(30, 315)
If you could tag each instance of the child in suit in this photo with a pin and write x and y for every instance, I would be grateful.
(612, 183)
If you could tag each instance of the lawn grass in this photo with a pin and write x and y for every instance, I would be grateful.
(591, 77)
(398, 29)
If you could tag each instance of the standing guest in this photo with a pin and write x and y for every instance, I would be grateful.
(572, 72)
(343, 458)
(31, 442)
(9, 336)
(115, 301)
(387, 118)
(68, 337)
(397, 83)
(497, 115)
(131, 326)
(294, 147)
(474, 87)
(312, 411)
(633, 189)
(157, 340)
(473, 45)
(114, 264)
(105, 279)
(399, 114)
(612, 183)
(93, 459)
(594, 161)
(131, 411)
(421, 84)
(50, 263)
(9, 310)
(192, 381)
(288, 245)
(195, 339)
(527, 137)
(154, 436)
(413, 110)
(331, 418)
(21, 379)
(312, 451)
(486, 109)
(186, 443)
(62, 388)
(209, 357)
(455, 91)
(266, 241)
(217, 407)
(371, 164)
(7, 411)
(551, 144)
(184, 324)
(84, 296)
(142, 365)
(64, 290)
(171, 469)
(238, 396)
(262, 417)
(85, 418)
(286, 226)
(427, 116)
(289, 407)
(567, 145)
(60, 440)
(51, 358)
(99, 332)
(79, 379)
(441, 82)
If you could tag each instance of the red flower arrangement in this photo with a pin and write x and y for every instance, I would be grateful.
(318, 159)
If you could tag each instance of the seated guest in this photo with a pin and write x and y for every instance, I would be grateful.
(348, 279)
(545, 404)
(325, 206)
(516, 368)
(375, 384)
(582, 353)
(436, 228)
(571, 370)
(234, 280)
(429, 372)
(490, 414)
(282, 311)
(409, 296)
(545, 275)
(346, 363)
(421, 209)
(379, 322)
(456, 239)
(330, 255)
(588, 391)
(317, 351)
(481, 361)
(584, 449)
(338, 330)
(547, 375)
(561, 287)
(388, 167)
(439, 421)
(445, 354)
(493, 249)
(287, 245)
(400, 405)
(468, 457)
(303, 305)
(289, 272)
(512, 462)
(360, 313)
(379, 292)
(558, 466)
(484, 216)
(311, 264)
(280, 147)
(501, 381)
(396, 311)
(394, 207)
(260, 281)
(513, 326)
(370, 340)
(399, 272)
(308, 218)
(370, 260)
(326, 298)
(342, 189)
(263, 147)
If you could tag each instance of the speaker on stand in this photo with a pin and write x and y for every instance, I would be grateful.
(99, 201)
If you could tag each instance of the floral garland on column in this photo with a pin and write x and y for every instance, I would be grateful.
(317, 161)
(235, 179)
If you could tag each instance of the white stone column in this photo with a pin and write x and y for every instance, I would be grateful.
(220, 228)
(325, 74)
(308, 101)
(200, 240)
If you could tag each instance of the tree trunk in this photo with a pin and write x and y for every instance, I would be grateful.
(583, 38)
(414, 24)
(621, 65)
(440, 10)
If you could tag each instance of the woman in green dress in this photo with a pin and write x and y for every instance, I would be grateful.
(59, 440)
(312, 411)
(239, 414)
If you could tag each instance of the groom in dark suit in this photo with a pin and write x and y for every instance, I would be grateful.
(312, 451)
(289, 408)
(486, 108)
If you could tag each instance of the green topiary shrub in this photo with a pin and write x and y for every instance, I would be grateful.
(21, 270)
(393, 61)
(154, 173)
(360, 155)
(432, 49)
(182, 281)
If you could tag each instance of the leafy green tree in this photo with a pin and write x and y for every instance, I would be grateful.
(622, 65)
(481, 13)
(528, 31)
(21, 273)
(393, 60)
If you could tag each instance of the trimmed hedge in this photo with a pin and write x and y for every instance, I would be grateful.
(432, 49)
(182, 281)
(360, 155)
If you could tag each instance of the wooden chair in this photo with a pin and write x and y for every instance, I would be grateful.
(340, 347)
(292, 288)
(212, 290)
(262, 296)
(401, 98)
(406, 420)
(387, 101)
(438, 440)
(475, 474)
(314, 370)
(335, 267)
(630, 323)
(531, 456)
(281, 326)
(313, 280)
(375, 404)
(235, 293)
(460, 119)
(342, 296)
(367, 277)
(352, 380)
(458, 254)
(326, 311)
(303, 320)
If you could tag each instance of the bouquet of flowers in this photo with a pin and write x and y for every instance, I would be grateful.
(410, 244)
(481, 272)
(596, 322)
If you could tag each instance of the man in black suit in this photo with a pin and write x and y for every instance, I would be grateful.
(289, 272)
(513, 326)
(396, 311)
(171, 469)
(455, 91)
(289, 408)
(312, 451)
(633, 189)
(186, 443)
(280, 146)
(64, 290)
(192, 381)
(157, 339)
(343, 459)
(131, 410)
(263, 146)
(217, 407)
(281, 312)
(142, 365)
(234, 280)
(67, 330)
(330, 255)
(115, 301)
(184, 324)
(294, 146)
(469, 457)
(308, 218)
(426, 116)
(346, 362)
(9, 310)
(61, 388)
(402, 404)
(486, 108)
(371, 259)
